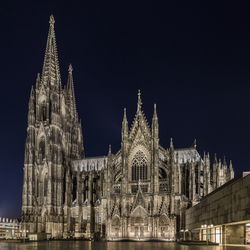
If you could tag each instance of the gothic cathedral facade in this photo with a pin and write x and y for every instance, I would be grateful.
(138, 193)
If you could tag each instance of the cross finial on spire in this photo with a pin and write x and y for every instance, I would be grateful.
(51, 20)
(139, 103)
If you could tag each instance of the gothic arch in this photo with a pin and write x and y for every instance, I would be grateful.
(139, 166)
(139, 212)
(139, 162)
(42, 107)
(164, 225)
(115, 226)
(163, 220)
(116, 222)
(41, 149)
(136, 148)
(139, 221)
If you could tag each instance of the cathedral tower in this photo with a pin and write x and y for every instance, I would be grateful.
(54, 138)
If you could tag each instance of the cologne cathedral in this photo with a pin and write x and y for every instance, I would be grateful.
(138, 193)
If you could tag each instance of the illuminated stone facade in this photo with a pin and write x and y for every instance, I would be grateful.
(139, 192)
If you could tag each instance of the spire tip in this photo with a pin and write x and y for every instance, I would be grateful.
(110, 150)
(124, 114)
(139, 103)
(155, 112)
(171, 143)
(70, 69)
(51, 20)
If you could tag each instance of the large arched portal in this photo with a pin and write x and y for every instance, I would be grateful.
(166, 228)
(115, 226)
(139, 224)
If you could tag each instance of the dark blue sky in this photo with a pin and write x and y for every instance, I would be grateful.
(193, 60)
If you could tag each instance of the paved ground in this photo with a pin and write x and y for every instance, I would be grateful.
(86, 245)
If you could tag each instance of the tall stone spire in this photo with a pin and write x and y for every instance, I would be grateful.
(71, 93)
(124, 126)
(155, 124)
(155, 117)
(231, 170)
(31, 113)
(51, 73)
(38, 80)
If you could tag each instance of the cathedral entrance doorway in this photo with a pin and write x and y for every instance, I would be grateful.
(165, 230)
(139, 223)
(116, 224)
(139, 232)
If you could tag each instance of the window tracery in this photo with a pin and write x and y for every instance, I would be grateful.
(139, 166)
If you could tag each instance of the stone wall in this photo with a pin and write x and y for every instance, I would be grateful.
(228, 204)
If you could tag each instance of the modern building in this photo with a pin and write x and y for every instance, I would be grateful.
(139, 192)
(223, 216)
(9, 228)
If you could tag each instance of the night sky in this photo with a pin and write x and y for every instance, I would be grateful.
(192, 60)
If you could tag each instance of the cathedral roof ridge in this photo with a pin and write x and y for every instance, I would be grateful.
(187, 154)
(187, 148)
(92, 158)
(90, 164)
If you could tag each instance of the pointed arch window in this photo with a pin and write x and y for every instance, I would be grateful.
(41, 150)
(43, 111)
(139, 166)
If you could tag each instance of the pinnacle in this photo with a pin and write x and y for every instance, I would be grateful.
(51, 20)
(110, 150)
(32, 93)
(139, 103)
(125, 114)
(139, 93)
(171, 143)
(155, 112)
(70, 70)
